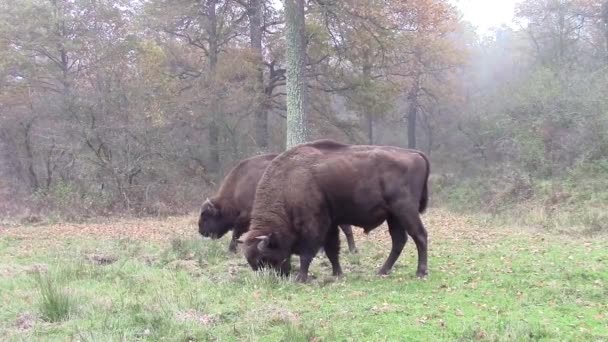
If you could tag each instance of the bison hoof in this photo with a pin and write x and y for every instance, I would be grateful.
(302, 278)
(383, 272)
(421, 274)
(354, 251)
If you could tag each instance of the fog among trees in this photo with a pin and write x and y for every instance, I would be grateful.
(141, 107)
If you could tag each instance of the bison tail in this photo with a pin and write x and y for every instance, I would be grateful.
(424, 198)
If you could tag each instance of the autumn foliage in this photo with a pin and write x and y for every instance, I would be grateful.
(118, 106)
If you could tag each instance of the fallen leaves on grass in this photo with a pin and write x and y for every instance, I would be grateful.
(441, 224)
(25, 321)
(195, 316)
(189, 266)
(357, 294)
(7, 271)
(101, 259)
(284, 315)
(274, 314)
(37, 268)
(384, 308)
(444, 225)
(138, 229)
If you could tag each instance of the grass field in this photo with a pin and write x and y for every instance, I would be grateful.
(157, 280)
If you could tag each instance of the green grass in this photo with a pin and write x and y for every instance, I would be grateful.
(485, 284)
(55, 303)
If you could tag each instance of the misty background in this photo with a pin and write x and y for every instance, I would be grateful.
(124, 107)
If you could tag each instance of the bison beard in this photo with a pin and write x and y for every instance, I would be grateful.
(231, 207)
(307, 191)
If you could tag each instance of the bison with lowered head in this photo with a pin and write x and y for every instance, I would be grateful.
(307, 191)
(231, 207)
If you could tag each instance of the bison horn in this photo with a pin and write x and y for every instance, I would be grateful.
(264, 242)
(209, 206)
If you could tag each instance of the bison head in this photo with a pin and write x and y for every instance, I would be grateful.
(212, 223)
(264, 251)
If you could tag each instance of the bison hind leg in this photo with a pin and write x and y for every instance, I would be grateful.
(348, 232)
(403, 222)
(416, 229)
(399, 238)
(332, 250)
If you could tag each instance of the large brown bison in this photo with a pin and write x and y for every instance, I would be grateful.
(231, 207)
(307, 191)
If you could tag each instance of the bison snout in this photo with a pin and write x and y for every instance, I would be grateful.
(204, 232)
(208, 234)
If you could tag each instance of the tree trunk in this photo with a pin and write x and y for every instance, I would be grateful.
(412, 113)
(214, 153)
(295, 32)
(562, 32)
(411, 125)
(605, 20)
(370, 127)
(255, 34)
(369, 116)
(32, 176)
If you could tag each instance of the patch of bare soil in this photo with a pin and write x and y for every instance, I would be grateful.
(25, 321)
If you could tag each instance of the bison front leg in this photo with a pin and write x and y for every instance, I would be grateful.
(236, 234)
(305, 260)
(285, 267)
(308, 250)
(332, 250)
(399, 238)
(233, 243)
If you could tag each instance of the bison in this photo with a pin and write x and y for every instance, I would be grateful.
(307, 191)
(231, 207)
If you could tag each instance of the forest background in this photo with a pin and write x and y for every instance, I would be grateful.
(127, 107)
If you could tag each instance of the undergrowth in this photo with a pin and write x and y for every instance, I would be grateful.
(573, 203)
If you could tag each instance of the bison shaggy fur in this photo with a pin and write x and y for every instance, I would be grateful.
(230, 208)
(307, 191)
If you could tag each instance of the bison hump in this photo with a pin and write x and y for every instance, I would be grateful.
(327, 144)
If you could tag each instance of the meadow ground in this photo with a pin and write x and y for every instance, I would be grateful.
(158, 280)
